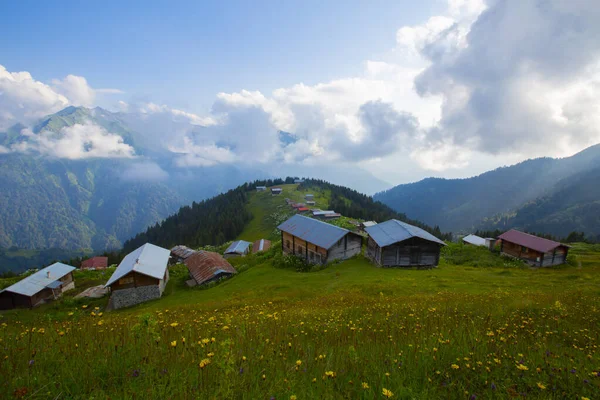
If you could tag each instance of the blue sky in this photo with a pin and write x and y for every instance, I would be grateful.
(400, 89)
(182, 53)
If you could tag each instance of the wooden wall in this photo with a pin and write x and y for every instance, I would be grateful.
(134, 279)
(555, 257)
(348, 246)
(409, 253)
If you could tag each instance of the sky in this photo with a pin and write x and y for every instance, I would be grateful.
(401, 89)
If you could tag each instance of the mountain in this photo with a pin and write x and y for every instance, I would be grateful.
(93, 203)
(464, 204)
(573, 205)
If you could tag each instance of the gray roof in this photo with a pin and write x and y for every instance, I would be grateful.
(40, 280)
(314, 231)
(394, 231)
(474, 239)
(369, 223)
(238, 247)
(149, 260)
(321, 212)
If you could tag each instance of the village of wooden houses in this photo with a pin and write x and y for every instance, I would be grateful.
(310, 234)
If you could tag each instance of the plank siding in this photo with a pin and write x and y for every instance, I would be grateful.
(348, 246)
(414, 252)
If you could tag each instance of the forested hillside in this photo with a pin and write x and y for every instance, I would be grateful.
(462, 204)
(573, 205)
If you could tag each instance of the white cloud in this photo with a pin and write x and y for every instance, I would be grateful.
(193, 155)
(75, 142)
(144, 171)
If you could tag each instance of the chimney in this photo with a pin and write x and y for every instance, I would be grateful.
(48, 274)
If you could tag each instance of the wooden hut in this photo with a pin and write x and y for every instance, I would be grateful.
(141, 276)
(532, 249)
(95, 263)
(318, 242)
(239, 248)
(261, 245)
(276, 191)
(46, 284)
(206, 266)
(397, 244)
(261, 188)
(180, 253)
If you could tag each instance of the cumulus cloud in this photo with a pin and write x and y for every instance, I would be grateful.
(75, 142)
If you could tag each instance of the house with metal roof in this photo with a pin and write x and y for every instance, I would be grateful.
(309, 197)
(261, 245)
(180, 253)
(276, 190)
(261, 188)
(316, 241)
(206, 266)
(395, 243)
(141, 276)
(532, 249)
(95, 263)
(475, 240)
(44, 285)
(239, 248)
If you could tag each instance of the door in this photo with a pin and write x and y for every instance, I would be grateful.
(415, 255)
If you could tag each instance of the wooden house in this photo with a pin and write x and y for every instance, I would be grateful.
(180, 253)
(141, 276)
(206, 266)
(261, 245)
(397, 244)
(310, 202)
(44, 285)
(475, 240)
(309, 197)
(276, 191)
(239, 248)
(532, 249)
(316, 241)
(302, 209)
(95, 263)
(261, 188)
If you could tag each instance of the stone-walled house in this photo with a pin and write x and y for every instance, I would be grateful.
(141, 276)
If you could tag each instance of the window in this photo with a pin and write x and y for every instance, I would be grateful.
(287, 244)
(524, 249)
(126, 281)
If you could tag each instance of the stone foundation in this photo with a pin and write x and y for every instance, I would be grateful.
(130, 297)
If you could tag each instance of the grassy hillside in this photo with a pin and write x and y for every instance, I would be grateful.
(349, 331)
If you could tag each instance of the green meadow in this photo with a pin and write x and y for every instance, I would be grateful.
(478, 326)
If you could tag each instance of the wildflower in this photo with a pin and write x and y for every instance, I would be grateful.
(264, 377)
(454, 366)
(204, 362)
(84, 307)
(61, 333)
(299, 363)
(330, 374)
(387, 374)
(210, 354)
(365, 385)
(244, 358)
(522, 367)
(174, 343)
(70, 314)
(293, 397)
(174, 324)
(541, 385)
(387, 393)
(314, 380)
(31, 362)
(585, 398)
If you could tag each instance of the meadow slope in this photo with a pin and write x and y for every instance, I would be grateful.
(479, 326)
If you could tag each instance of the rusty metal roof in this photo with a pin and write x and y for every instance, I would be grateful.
(314, 231)
(205, 265)
(261, 245)
(182, 252)
(530, 241)
(95, 262)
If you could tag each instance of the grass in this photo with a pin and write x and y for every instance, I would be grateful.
(348, 331)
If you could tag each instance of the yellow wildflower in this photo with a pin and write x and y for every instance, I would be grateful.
(541, 385)
(387, 393)
(204, 362)
(174, 324)
(365, 385)
(299, 363)
(522, 367)
(174, 343)
(454, 366)
(293, 397)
